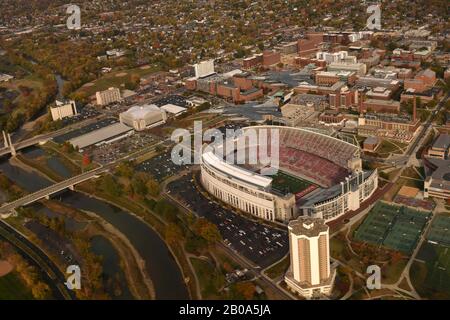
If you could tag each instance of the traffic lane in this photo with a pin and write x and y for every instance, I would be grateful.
(261, 244)
(57, 285)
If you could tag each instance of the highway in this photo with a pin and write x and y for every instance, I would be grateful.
(36, 257)
(47, 136)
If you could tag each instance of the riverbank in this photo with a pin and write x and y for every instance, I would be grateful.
(160, 261)
(134, 267)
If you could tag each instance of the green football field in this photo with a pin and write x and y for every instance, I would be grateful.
(287, 183)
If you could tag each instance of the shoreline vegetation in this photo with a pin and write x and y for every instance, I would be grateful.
(133, 265)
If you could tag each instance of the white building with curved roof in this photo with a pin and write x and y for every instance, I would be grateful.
(143, 117)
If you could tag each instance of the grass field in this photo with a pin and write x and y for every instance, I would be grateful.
(395, 227)
(114, 79)
(12, 288)
(278, 269)
(431, 275)
(210, 279)
(284, 182)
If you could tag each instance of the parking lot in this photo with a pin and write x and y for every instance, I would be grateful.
(161, 166)
(172, 99)
(83, 114)
(261, 244)
(111, 152)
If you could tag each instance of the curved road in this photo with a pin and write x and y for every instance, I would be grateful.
(35, 256)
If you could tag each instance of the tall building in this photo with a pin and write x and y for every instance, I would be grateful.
(63, 109)
(310, 273)
(204, 68)
(108, 96)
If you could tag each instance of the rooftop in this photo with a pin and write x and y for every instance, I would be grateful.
(442, 142)
(307, 226)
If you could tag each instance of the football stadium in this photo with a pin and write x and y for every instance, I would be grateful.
(318, 175)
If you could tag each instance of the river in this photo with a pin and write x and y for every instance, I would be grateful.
(160, 264)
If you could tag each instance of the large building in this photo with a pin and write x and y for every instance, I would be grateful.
(310, 273)
(63, 109)
(422, 81)
(440, 147)
(330, 57)
(108, 96)
(104, 135)
(204, 68)
(359, 68)
(143, 117)
(332, 166)
(437, 183)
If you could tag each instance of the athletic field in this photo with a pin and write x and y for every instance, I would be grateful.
(395, 227)
(430, 273)
(287, 183)
(439, 231)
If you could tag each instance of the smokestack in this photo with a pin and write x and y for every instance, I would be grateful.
(414, 109)
(361, 98)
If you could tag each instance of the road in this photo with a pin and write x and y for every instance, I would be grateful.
(414, 146)
(35, 256)
(47, 136)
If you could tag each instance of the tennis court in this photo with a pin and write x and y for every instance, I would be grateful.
(439, 231)
(395, 227)
(436, 276)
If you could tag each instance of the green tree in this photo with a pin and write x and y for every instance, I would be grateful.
(111, 186)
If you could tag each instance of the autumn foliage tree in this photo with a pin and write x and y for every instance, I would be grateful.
(207, 230)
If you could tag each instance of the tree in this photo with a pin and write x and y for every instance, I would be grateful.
(40, 291)
(246, 289)
(207, 231)
(86, 160)
(153, 187)
(111, 186)
(173, 233)
(139, 184)
(125, 169)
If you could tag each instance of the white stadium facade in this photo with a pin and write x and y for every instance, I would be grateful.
(332, 166)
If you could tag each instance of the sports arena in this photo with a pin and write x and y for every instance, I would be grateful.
(318, 175)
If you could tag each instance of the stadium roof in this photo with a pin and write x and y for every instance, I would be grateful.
(236, 172)
(100, 135)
